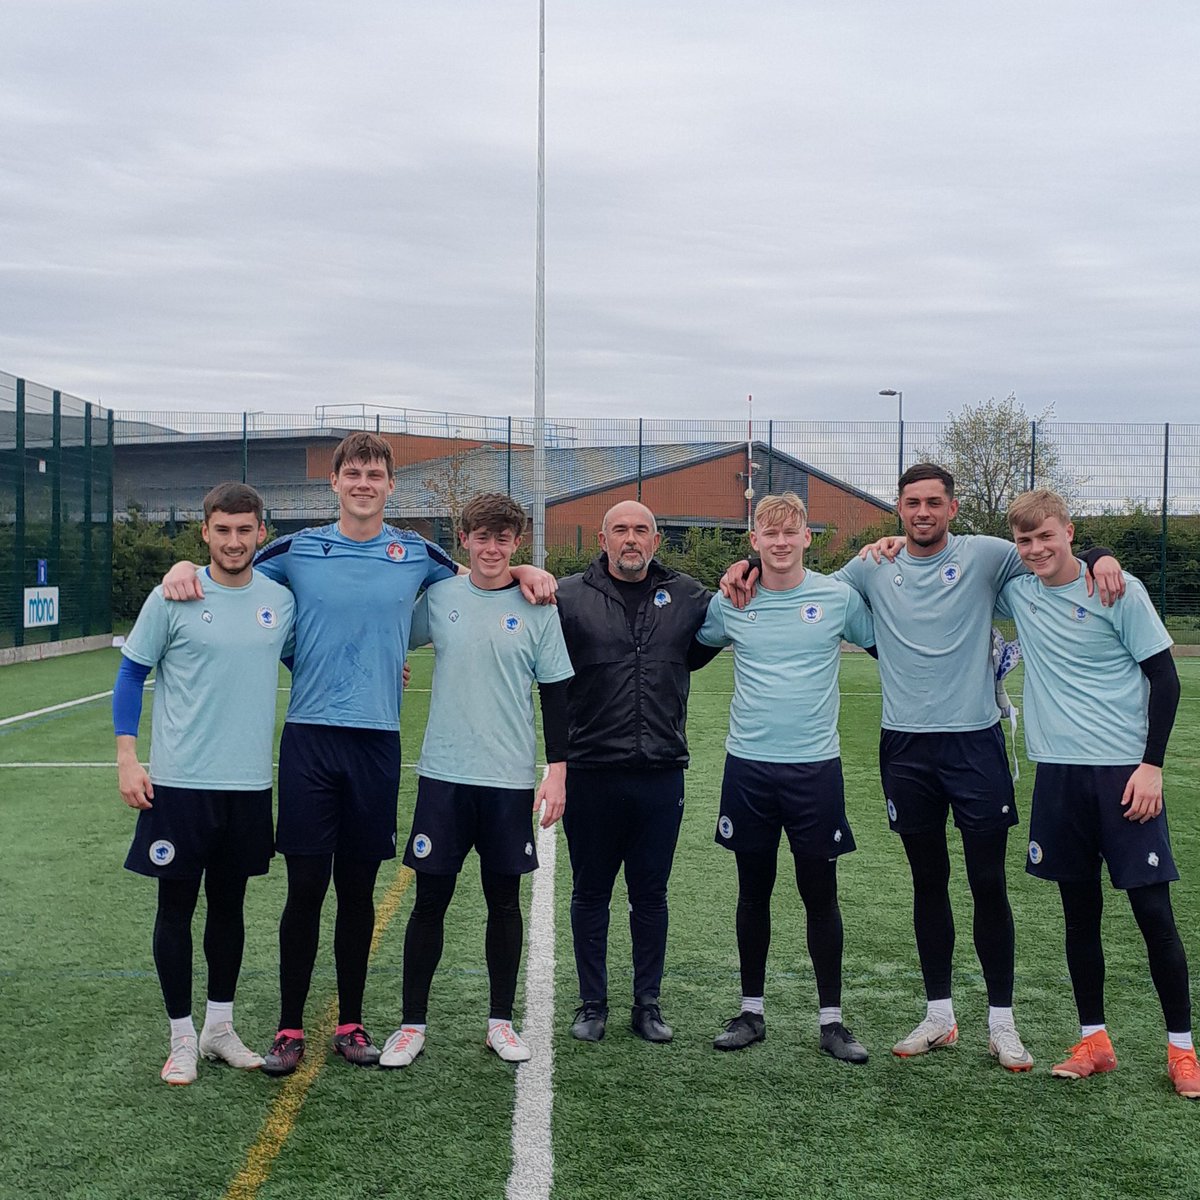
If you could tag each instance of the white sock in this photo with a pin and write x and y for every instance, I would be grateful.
(942, 1009)
(1181, 1041)
(218, 1013)
(1000, 1017)
(182, 1027)
(1086, 1031)
(829, 1016)
(753, 1004)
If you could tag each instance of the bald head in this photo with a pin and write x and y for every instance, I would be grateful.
(629, 535)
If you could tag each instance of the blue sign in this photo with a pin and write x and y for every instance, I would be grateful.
(41, 574)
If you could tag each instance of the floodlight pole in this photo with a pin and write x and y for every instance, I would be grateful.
(899, 427)
(539, 319)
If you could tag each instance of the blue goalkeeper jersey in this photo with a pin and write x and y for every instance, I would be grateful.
(354, 607)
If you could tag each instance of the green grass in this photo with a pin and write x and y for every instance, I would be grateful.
(86, 1115)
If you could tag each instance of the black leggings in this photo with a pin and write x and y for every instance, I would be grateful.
(300, 932)
(224, 937)
(933, 921)
(816, 879)
(424, 939)
(1083, 904)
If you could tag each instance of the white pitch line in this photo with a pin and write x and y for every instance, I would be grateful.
(38, 712)
(532, 1145)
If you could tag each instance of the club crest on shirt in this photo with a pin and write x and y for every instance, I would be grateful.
(395, 551)
(951, 573)
(266, 617)
(662, 598)
(422, 844)
(812, 613)
(1080, 613)
(162, 852)
(206, 617)
(511, 623)
(1035, 853)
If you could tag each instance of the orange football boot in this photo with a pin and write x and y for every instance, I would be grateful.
(1092, 1056)
(1184, 1071)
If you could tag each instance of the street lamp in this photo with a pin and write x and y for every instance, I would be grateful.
(899, 427)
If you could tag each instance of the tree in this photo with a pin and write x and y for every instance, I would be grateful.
(995, 451)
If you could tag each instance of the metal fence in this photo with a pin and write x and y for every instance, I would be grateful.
(1135, 487)
(56, 515)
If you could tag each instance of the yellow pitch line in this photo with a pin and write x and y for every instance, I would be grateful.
(287, 1104)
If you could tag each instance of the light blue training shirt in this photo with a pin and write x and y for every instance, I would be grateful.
(354, 604)
(786, 653)
(933, 622)
(489, 648)
(217, 661)
(1085, 695)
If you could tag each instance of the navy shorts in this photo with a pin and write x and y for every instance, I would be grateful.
(189, 829)
(926, 775)
(337, 791)
(807, 800)
(450, 818)
(1078, 820)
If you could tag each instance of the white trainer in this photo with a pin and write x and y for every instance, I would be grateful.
(180, 1067)
(221, 1044)
(507, 1043)
(1006, 1047)
(932, 1034)
(402, 1048)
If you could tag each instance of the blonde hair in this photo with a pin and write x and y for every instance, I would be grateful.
(777, 510)
(1030, 509)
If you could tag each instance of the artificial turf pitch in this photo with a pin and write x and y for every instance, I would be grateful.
(85, 1114)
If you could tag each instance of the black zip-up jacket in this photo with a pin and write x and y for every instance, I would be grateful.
(627, 703)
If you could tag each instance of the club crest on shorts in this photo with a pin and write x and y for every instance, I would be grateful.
(725, 828)
(206, 617)
(662, 598)
(396, 551)
(266, 617)
(891, 807)
(1035, 853)
(162, 852)
(422, 844)
(951, 573)
(1080, 613)
(511, 623)
(1152, 858)
(812, 613)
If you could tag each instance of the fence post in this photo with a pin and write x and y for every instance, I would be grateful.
(1162, 557)
(508, 484)
(770, 456)
(639, 491)
(1032, 455)
(110, 500)
(55, 563)
(245, 449)
(18, 583)
(86, 615)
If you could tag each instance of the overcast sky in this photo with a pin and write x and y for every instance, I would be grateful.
(271, 205)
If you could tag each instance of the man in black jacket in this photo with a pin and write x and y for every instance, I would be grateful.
(630, 626)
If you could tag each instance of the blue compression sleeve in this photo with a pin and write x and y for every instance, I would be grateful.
(127, 697)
